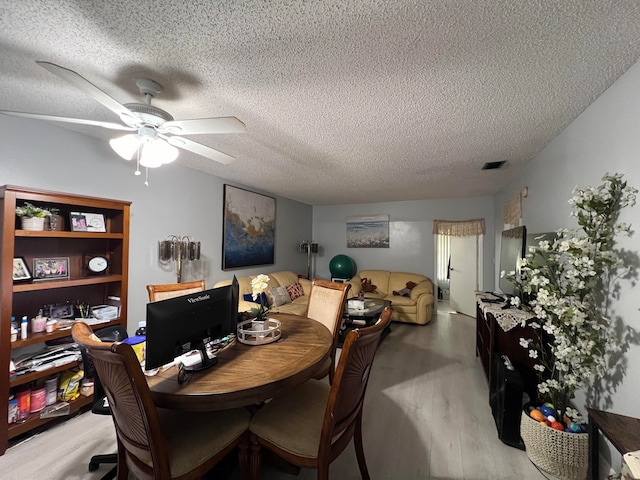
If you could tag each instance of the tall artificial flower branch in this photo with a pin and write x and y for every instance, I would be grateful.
(258, 285)
(566, 284)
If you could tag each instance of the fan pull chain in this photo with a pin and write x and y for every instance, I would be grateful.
(146, 181)
(137, 172)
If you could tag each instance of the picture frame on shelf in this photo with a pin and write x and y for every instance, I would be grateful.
(60, 310)
(78, 222)
(94, 222)
(51, 268)
(21, 272)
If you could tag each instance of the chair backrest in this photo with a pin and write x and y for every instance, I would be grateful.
(171, 290)
(140, 439)
(326, 303)
(114, 333)
(346, 397)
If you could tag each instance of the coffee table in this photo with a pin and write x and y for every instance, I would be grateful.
(354, 318)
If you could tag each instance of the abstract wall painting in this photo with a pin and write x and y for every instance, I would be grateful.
(249, 222)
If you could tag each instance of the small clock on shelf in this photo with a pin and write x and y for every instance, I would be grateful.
(96, 264)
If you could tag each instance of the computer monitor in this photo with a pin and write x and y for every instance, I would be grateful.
(180, 324)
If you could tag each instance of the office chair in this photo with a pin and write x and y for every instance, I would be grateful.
(157, 443)
(100, 405)
(171, 290)
(310, 425)
(326, 305)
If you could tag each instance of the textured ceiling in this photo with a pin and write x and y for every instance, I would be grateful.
(345, 101)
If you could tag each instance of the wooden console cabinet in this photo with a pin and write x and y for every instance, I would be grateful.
(492, 339)
(18, 299)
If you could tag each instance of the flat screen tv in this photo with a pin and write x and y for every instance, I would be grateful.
(181, 324)
(512, 250)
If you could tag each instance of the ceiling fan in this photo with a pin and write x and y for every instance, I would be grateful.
(156, 135)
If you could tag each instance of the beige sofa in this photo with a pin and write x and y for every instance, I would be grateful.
(276, 279)
(416, 308)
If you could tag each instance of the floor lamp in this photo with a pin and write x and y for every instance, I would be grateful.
(309, 247)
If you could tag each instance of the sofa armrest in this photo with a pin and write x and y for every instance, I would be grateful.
(306, 285)
(424, 287)
(422, 294)
(356, 286)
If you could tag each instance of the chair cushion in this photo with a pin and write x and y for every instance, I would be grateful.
(194, 437)
(293, 419)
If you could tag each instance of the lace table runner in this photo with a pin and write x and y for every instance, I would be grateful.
(507, 318)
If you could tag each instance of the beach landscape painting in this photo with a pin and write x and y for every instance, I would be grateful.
(368, 231)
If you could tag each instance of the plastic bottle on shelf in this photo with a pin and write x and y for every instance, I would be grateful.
(23, 328)
(142, 328)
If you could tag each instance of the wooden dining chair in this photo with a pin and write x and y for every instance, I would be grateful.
(156, 443)
(326, 305)
(310, 425)
(171, 290)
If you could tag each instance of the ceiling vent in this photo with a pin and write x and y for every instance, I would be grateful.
(493, 165)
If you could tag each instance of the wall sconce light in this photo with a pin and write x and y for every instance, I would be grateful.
(309, 247)
(178, 249)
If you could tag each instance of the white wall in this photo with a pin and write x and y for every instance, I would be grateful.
(411, 241)
(605, 138)
(179, 201)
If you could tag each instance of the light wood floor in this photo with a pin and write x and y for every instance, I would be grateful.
(426, 417)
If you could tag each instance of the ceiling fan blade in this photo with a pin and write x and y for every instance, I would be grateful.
(198, 148)
(90, 89)
(112, 126)
(204, 125)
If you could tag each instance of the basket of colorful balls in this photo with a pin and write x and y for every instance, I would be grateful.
(559, 446)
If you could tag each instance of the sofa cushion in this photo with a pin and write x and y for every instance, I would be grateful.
(398, 280)
(248, 297)
(279, 296)
(284, 278)
(397, 301)
(380, 278)
(295, 290)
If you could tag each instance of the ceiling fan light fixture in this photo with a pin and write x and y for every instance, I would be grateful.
(155, 154)
(125, 146)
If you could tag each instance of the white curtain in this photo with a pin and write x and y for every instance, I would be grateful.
(443, 252)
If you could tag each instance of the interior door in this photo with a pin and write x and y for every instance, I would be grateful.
(463, 273)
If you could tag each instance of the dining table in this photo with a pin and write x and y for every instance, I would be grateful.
(248, 374)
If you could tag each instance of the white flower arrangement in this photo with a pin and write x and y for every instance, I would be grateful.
(566, 284)
(258, 285)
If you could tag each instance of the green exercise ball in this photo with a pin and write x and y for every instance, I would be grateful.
(342, 266)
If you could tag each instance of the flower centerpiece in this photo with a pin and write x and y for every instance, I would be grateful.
(32, 217)
(565, 284)
(258, 285)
